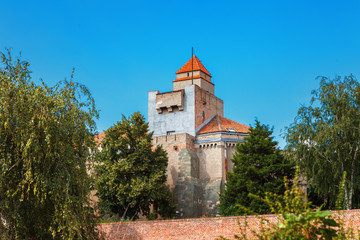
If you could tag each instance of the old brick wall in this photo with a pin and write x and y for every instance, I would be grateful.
(207, 105)
(196, 228)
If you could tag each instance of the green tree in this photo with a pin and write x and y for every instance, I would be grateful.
(296, 219)
(131, 176)
(325, 139)
(45, 136)
(259, 167)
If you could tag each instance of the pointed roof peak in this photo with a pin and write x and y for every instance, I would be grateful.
(197, 65)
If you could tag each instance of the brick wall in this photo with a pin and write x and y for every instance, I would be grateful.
(197, 228)
(206, 106)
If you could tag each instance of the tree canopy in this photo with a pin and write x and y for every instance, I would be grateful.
(45, 136)
(131, 175)
(325, 139)
(259, 167)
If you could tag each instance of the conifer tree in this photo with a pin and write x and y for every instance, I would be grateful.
(131, 174)
(259, 167)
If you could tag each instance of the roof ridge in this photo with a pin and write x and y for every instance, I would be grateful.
(222, 124)
(206, 122)
(201, 66)
(219, 123)
(228, 119)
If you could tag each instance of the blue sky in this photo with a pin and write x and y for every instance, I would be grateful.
(264, 56)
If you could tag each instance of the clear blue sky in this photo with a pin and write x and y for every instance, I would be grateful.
(264, 56)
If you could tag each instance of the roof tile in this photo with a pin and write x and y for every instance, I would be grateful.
(197, 65)
(221, 124)
(99, 137)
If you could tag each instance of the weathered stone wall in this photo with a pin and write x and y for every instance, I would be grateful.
(198, 228)
(211, 150)
(196, 175)
(207, 105)
(170, 102)
(183, 172)
(231, 148)
(207, 85)
(188, 188)
(206, 142)
(200, 79)
(179, 121)
(211, 176)
(173, 145)
(187, 74)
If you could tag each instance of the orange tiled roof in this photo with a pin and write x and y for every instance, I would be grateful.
(187, 78)
(99, 138)
(221, 124)
(196, 66)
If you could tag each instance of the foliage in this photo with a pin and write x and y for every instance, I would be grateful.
(45, 136)
(258, 168)
(132, 175)
(297, 220)
(325, 140)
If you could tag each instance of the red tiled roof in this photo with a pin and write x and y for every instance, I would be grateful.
(99, 138)
(221, 124)
(197, 66)
(188, 78)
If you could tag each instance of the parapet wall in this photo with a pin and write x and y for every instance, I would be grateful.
(198, 228)
(170, 101)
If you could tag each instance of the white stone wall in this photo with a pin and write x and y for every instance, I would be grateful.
(179, 122)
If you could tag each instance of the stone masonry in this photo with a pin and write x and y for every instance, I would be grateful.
(189, 123)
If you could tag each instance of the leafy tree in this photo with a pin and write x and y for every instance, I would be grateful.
(325, 139)
(259, 167)
(45, 136)
(296, 218)
(131, 176)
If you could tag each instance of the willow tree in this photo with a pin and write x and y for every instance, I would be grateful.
(45, 136)
(325, 139)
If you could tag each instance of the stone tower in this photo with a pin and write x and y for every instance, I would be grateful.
(188, 122)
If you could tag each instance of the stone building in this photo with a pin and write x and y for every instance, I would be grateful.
(190, 125)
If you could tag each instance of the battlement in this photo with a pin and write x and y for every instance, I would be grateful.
(175, 141)
(170, 101)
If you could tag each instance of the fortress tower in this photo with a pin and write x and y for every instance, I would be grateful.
(189, 123)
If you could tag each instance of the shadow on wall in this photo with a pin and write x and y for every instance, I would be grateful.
(174, 176)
